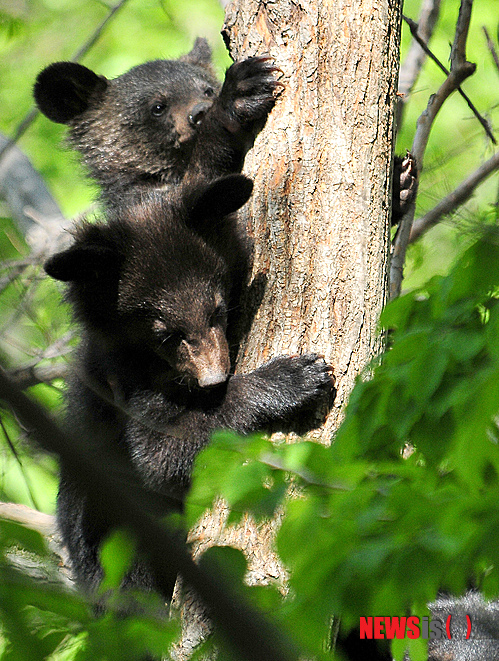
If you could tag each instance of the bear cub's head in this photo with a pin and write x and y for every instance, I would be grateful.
(138, 127)
(147, 283)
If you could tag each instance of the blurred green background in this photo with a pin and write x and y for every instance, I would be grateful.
(458, 144)
(34, 33)
(37, 32)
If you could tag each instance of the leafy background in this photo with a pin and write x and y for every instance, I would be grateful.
(372, 519)
(35, 33)
(32, 35)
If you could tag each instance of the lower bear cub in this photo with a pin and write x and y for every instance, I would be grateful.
(151, 289)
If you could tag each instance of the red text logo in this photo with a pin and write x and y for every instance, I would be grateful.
(408, 627)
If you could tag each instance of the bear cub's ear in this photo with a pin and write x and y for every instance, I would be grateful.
(200, 55)
(83, 263)
(65, 89)
(221, 197)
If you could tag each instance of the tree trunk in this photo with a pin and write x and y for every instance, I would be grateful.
(319, 213)
(320, 209)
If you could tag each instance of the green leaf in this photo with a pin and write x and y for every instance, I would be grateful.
(116, 557)
(231, 560)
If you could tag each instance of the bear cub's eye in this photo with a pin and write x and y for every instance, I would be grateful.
(209, 92)
(158, 109)
(172, 339)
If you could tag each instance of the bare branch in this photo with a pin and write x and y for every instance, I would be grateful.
(32, 519)
(458, 50)
(491, 47)
(54, 568)
(436, 101)
(34, 373)
(33, 113)
(398, 253)
(459, 63)
(416, 55)
(26, 377)
(22, 187)
(460, 70)
(455, 199)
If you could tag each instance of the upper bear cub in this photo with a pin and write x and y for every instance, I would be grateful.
(161, 120)
(150, 289)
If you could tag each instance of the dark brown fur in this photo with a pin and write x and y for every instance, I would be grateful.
(150, 289)
(162, 121)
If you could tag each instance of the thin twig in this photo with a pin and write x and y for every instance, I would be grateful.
(99, 30)
(19, 462)
(13, 273)
(414, 31)
(33, 113)
(455, 199)
(410, 69)
(460, 70)
(20, 131)
(491, 47)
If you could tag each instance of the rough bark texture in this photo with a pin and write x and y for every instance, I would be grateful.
(319, 213)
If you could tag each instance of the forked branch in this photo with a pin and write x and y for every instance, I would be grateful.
(460, 70)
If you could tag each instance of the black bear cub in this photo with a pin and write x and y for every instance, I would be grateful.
(161, 121)
(150, 289)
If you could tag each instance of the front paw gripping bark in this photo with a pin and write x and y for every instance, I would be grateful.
(160, 122)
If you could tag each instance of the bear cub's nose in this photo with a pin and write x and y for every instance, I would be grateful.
(198, 112)
(210, 379)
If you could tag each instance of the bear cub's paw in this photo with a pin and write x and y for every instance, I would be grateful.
(304, 379)
(405, 182)
(249, 90)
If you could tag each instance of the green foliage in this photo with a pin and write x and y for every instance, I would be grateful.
(35, 619)
(364, 523)
(34, 325)
(46, 620)
(404, 502)
(457, 144)
(243, 484)
(116, 557)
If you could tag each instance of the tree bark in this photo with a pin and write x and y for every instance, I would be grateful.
(320, 209)
(319, 214)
